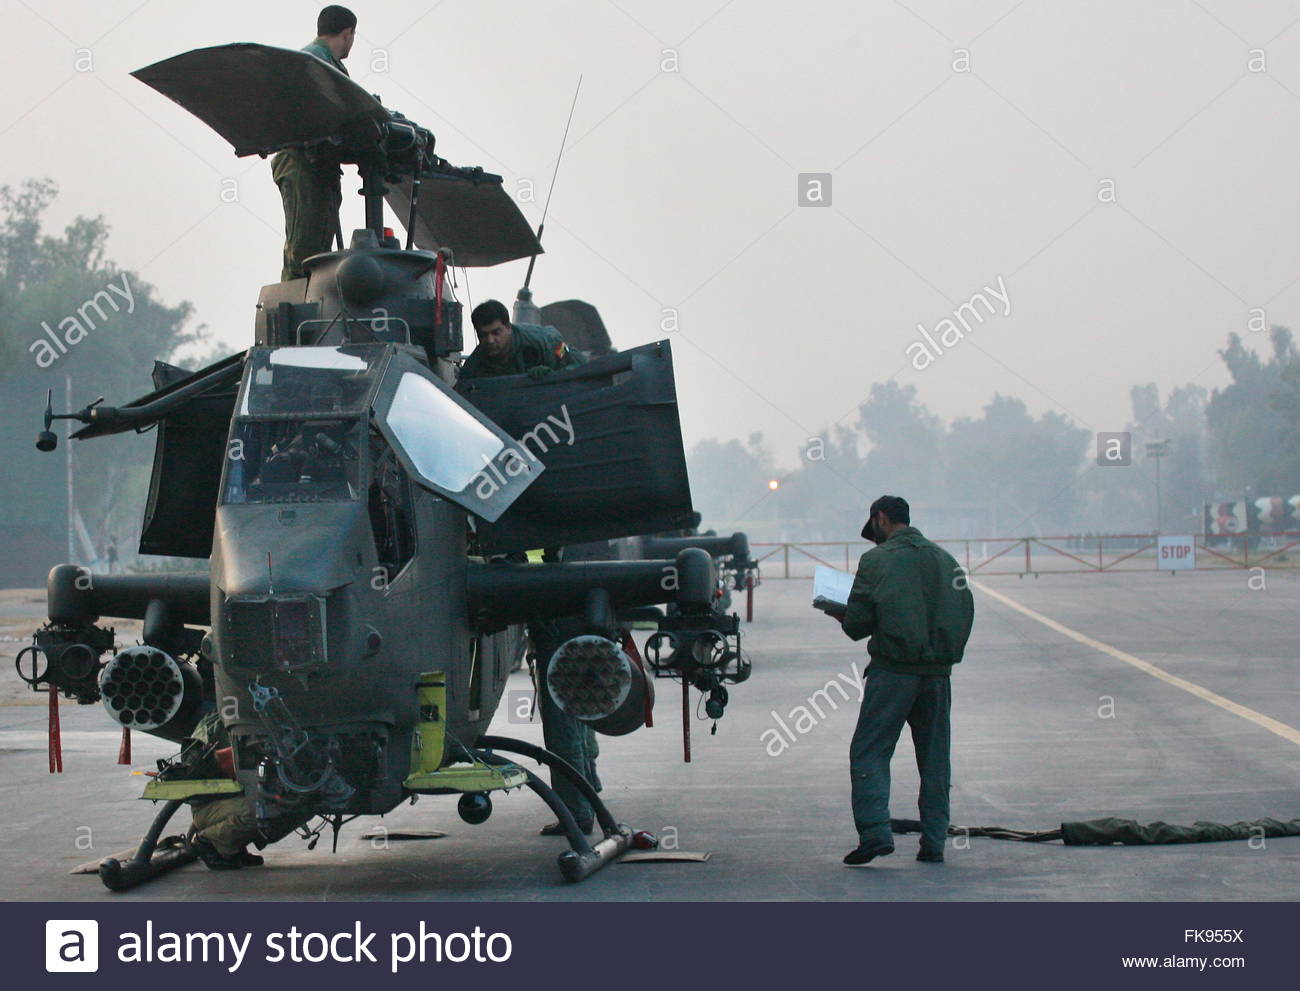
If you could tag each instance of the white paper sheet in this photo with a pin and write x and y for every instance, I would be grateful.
(831, 583)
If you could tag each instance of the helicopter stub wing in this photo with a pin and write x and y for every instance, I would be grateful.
(471, 214)
(260, 98)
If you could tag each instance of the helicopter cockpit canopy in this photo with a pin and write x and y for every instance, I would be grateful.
(311, 380)
(446, 444)
(308, 421)
(297, 434)
(278, 461)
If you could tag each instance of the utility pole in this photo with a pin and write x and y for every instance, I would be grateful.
(1157, 450)
(67, 447)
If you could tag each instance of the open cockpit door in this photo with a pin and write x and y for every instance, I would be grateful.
(447, 445)
(609, 436)
(191, 412)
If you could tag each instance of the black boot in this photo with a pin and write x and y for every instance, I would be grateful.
(866, 853)
(212, 858)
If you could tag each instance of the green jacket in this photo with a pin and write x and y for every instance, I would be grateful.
(318, 160)
(531, 346)
(322, 52)
(913, 599)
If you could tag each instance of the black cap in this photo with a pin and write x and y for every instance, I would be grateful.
(895, 509)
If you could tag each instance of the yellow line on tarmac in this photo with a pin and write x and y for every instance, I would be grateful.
(1258, 718)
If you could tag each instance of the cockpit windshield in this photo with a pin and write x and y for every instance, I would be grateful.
(310, 380)
(316, 460)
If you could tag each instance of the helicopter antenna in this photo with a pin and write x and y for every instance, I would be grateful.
(563, 141)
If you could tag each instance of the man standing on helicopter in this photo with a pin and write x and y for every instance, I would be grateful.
(309, 177)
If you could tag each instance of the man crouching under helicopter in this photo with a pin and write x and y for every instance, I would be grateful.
(507, 348)
(224, 827)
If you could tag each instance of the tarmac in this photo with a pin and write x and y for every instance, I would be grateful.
(1136, 695)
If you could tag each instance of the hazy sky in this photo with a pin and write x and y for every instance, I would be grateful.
(679, 189)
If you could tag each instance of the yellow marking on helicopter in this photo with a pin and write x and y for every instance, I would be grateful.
(462, 778)
(165, 791)
(428, 775)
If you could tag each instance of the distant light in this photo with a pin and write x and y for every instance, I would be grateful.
(774, 484)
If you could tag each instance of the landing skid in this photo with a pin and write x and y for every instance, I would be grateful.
(149, 861)
(153, 858)
(583, 859)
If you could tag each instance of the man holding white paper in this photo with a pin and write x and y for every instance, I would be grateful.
(912, 599)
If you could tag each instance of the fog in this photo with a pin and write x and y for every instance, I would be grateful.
(1124, 172)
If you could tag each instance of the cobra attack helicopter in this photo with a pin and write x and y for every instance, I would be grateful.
(365, 522)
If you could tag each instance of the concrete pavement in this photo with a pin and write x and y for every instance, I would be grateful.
(1046, 729)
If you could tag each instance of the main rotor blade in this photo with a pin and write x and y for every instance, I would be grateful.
(474, 216)
(262, 99)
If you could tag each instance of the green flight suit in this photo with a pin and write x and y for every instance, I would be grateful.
(914, 601)
(309, 186)
(531, 346)
(228, 824)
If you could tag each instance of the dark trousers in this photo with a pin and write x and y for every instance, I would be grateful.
(565, 736)
(230, 824)
(311, 216)
(925, 704)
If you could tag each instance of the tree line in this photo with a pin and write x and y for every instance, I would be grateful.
(65, 318)
(1006, 472)
(69, 314)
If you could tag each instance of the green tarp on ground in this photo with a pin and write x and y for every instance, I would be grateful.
(1102, 832)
